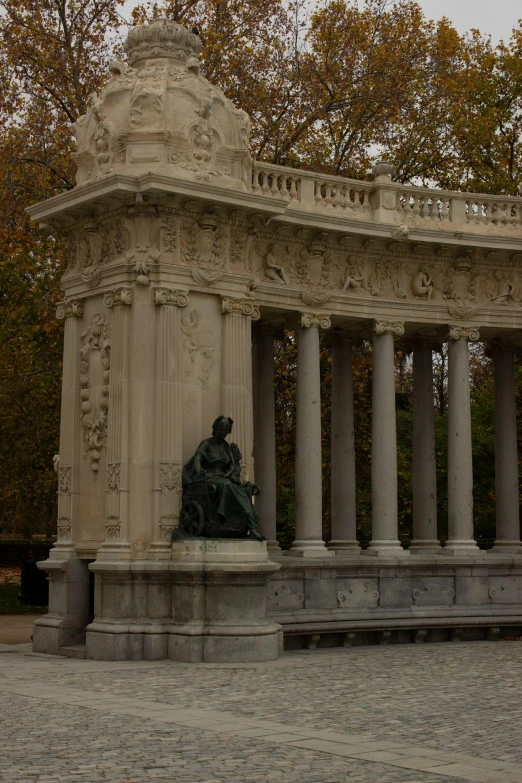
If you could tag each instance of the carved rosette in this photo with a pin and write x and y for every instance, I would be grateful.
(170, 296)
(94, 375)
(117, 297)
(319, 320)
(461, 332)
(242, 306)
(396, 328)
(71, 308)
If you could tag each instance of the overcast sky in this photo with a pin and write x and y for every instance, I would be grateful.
(496, 17)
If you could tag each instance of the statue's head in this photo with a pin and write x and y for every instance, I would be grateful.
(222, 427)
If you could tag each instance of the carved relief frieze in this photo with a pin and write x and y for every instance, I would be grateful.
(95, 355)
(200, 344)
(90, 252)
(204, 247)
(169, 234)
(238, 238)
(312, 268)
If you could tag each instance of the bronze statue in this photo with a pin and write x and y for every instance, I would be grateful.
(215, 502)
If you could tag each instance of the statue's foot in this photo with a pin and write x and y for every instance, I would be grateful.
(254, 533)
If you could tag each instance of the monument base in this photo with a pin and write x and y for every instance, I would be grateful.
(207, 605)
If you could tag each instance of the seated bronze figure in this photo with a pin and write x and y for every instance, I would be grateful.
(215, 502)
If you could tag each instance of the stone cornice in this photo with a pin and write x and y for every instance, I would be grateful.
(174, 297)
(240, 306)
(70, 308)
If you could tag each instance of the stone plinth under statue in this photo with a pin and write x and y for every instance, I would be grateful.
(177, 244)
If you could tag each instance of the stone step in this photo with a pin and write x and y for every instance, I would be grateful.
(73, 651)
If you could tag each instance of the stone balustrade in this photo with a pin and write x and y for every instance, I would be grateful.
(405, 205)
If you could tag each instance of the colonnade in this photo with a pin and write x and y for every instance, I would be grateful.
(308, 462)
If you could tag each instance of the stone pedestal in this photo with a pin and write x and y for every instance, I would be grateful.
(219, 602)
(68, 614)
(207, 605)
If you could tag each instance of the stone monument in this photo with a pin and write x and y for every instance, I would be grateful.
(178, 244)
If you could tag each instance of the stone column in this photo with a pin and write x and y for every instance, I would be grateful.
(344, 531)
(71, 313)
(116, 544)
(424, 468)
(506, 456)
(460, 463)
(308, 459)
(167, 420)
(236, 385)
(264, 434)
(384, 443)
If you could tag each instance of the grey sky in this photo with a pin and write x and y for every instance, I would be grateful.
(496, 17)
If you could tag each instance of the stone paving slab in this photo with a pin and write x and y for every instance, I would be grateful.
(303, 719)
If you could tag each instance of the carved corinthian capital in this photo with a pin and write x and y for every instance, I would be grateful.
(460, 332)
(72, 308)
(395, 328)
(234, 306)
(174, 297)
(320, 320)
(117, 297)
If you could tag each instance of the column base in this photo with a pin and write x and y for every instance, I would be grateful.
(309, 549)
(114, 550)
(506, 547)
(273, 547)
(344, 546)
(380, 548)
(461, 547)
(428, 546)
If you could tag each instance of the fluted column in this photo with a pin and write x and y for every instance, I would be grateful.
(264, 434)
(506, 455)
(116, 544)
(384, 442)
(308, 459)
(460, 460)
(424, 467)
(236, 384)
(71, 313)
(344, 530)
(167, 419)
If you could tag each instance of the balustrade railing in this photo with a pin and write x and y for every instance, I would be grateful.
(413, 205)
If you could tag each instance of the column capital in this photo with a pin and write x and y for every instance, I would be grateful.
(70, 308)
(175, 297)
(503, 345)
(275, 331)
(395, 328)
(463, 332)
(117, 297)
(240, 306)
(306, 320)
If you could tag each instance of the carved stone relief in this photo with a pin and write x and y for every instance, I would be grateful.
(95, 354)
(169, 235)
(64, 480)
(200, 344)
(64, 528)
(204, 248)
(112, 526)
(145, 230)
(113, 477)
(204, 140)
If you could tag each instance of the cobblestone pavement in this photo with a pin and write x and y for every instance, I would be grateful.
(435, 713)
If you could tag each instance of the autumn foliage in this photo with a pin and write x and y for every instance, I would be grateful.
(329, 85)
